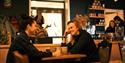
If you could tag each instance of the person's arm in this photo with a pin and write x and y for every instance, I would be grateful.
(29, 49)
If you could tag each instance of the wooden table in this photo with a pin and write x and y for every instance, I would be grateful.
(63, 57)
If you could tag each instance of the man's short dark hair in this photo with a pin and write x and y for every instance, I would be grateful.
(25, 20)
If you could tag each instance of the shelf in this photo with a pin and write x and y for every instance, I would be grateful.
(96, 9)
(95, 17)
(99, 25)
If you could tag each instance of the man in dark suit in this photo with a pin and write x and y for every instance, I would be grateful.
(23, 45)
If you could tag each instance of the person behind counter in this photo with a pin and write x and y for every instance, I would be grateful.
(81, 42)
(111, 27)
(83, 19)
(23, 45)
(119, 22)
(120, 28)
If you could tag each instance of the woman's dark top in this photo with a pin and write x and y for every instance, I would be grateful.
(110, 30)
(84, 44)
(23, 45)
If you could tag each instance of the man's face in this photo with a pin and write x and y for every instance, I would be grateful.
(33, 27)
(82, 20)
(72, 28)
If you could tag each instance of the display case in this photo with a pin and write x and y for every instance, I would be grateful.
(96, 12)
(96, 16)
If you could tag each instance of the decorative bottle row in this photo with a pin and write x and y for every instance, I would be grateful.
(96, 15)
(98, 5)
(97, 22)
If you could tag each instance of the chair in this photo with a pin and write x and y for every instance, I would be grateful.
(104, 51)
(104, 54)
(19, 58)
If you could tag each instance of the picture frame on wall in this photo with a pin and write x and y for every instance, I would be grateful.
(7, 3)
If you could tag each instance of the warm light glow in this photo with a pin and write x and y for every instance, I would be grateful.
(34, 12)
(115, 0)
(47, 4)
(55, 21)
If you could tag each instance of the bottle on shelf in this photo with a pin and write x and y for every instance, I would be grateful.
(97, 4)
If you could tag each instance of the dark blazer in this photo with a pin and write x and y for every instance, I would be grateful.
(84, 44)
(23, 45)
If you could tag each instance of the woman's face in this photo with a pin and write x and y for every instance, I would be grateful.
(112, 24)
(73, 28)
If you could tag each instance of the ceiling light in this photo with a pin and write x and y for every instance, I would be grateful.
(115, 0)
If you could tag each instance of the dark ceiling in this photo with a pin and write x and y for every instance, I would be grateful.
(119, 4)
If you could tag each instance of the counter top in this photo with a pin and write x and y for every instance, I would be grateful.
(38, 45)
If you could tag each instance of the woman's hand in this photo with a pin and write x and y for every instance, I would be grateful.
(67, 31)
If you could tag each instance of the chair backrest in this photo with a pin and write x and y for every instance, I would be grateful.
(19, 58)
(104, 51)
(104, 54)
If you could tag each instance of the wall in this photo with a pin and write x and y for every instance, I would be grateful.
(111, 4)
(18, 7)
(111, 13)
(79, 6)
